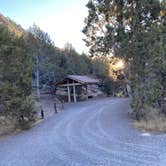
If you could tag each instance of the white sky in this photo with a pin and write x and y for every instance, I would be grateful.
(65, 26)
(62, 19)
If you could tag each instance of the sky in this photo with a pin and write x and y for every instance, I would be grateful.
(62, 19)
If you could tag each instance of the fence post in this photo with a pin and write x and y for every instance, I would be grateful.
(55, 108)
(42, 113)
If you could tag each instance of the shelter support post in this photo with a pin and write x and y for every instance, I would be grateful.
(86, 91)
(74, 92)
(68, 92)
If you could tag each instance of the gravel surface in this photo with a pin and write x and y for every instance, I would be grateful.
(91, 133)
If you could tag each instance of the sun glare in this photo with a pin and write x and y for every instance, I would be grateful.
(120, 65)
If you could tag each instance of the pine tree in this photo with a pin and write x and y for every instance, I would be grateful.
(15, 70)
(133, 30)
(43, 48)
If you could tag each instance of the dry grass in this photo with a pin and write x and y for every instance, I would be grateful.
(154, 121)
(7, 125)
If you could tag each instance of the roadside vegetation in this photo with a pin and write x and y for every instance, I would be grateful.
(135, 31)
(16, 96)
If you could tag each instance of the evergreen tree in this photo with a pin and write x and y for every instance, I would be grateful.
(15, 71)
(133, 30)
(43, 48)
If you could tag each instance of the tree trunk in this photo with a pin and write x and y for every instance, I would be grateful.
(37, 78)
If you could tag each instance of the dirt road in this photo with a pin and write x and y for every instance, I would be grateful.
(92, 133)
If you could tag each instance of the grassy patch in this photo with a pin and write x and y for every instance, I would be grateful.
(7, 125)
(153, 121)
(10, 125)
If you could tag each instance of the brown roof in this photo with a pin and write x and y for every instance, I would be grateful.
(83, 79)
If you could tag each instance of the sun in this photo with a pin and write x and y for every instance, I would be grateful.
(120, 65)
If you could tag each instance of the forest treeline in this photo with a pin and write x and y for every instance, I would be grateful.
(30, 63)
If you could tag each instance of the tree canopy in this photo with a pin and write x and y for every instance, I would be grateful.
(135, 31)
(15, 73)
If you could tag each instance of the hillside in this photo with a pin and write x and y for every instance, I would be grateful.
(11, 25)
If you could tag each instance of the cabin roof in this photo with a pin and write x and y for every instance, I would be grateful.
(83, 79)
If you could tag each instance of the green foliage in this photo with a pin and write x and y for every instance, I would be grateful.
(109, 86)
(146, 78)
(100, 67)
(15, 74)
(134, 30)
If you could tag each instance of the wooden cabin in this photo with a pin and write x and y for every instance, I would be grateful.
(76, 85)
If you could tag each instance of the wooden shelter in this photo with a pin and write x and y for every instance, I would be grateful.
(71, 82)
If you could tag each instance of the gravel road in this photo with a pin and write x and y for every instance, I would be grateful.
(91, 133)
